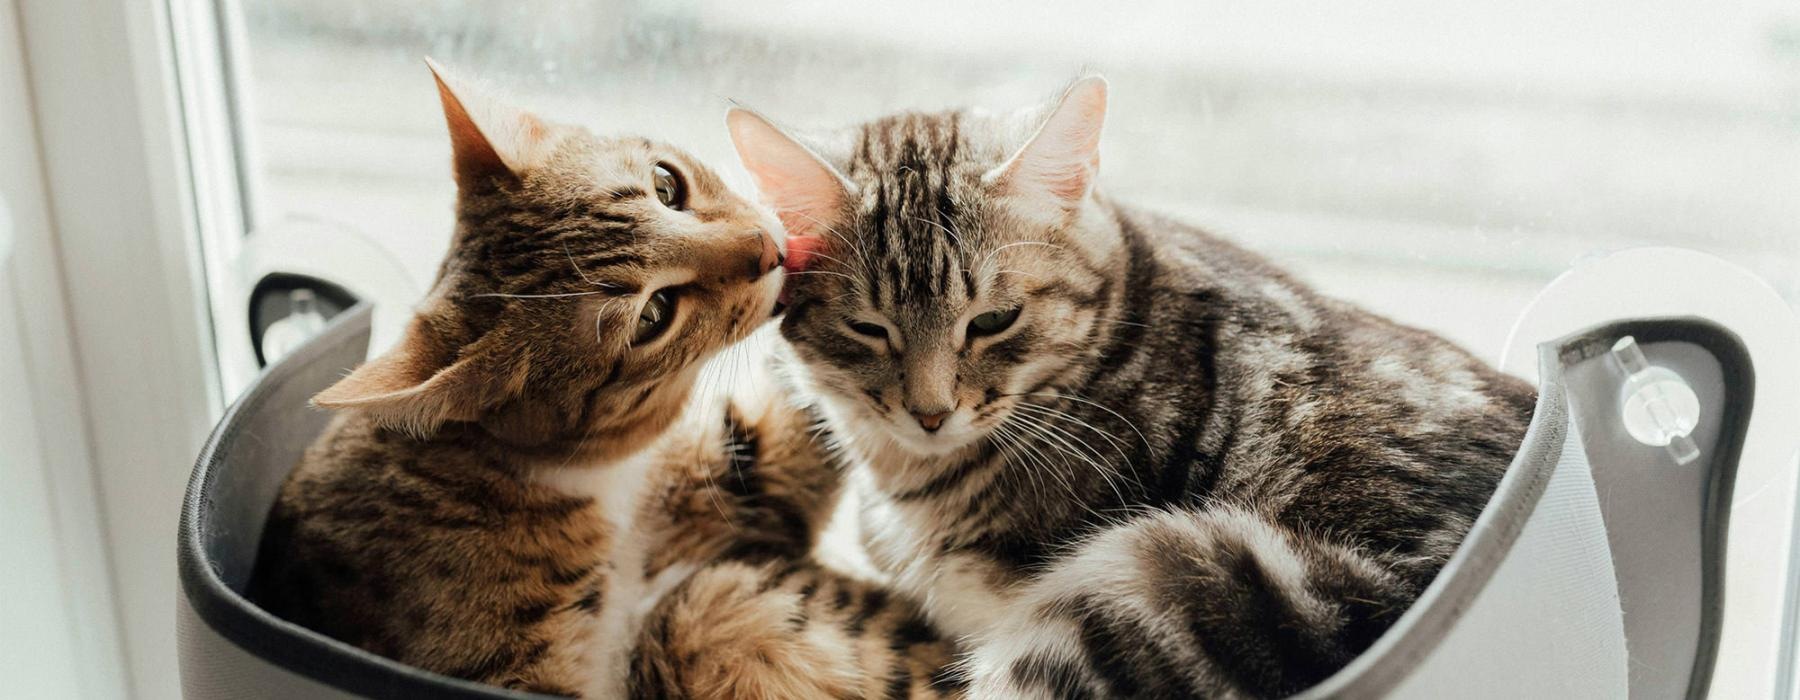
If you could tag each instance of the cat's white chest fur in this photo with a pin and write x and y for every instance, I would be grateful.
(618, 490)
(956, 590)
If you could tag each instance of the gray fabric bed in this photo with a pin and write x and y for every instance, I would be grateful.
(1596, 570)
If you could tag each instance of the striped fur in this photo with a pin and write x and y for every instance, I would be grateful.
(746, 497)
(1179, 473)
(740, 630)
(509, 494)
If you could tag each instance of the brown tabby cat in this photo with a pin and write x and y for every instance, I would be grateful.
(522, 492)
(1121, 457)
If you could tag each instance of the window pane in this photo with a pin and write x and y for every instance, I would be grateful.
(1439, 162)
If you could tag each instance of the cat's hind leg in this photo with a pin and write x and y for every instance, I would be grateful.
(1214, 603)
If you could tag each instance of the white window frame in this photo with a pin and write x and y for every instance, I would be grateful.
(61, 616)
(123, 212)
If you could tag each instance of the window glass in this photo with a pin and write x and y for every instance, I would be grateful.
(1439, 162)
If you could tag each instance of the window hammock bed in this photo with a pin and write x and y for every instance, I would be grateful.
(1598, 569)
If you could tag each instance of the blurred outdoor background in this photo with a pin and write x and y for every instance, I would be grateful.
(1439, 162)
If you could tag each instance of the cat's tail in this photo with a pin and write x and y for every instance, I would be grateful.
(1215, 603)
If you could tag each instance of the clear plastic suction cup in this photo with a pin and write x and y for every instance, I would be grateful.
(1657, 405)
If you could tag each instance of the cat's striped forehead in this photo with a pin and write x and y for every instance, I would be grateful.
(916, 192)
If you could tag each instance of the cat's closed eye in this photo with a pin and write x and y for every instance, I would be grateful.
(671, 189)
(993, 322)
(872, 330)
(655, 317)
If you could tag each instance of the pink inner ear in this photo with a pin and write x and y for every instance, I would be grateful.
(799, 256)
(800, 252)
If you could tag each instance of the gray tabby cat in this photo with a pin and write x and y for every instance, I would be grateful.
(1122, 457)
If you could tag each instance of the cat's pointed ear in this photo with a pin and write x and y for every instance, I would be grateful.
(806, 192)
(1058, 163)
(488, 139)
(424, 382)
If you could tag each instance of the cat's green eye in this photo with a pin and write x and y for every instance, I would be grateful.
(655, 317)
(873, 330)
(670, 189)
(993, 321)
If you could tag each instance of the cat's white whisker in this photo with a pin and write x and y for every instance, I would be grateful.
(1042, 468)
(857, 250)
(1116, 443)
(1038, 464)
(997, 273)
(538, 296)
(821, 272)
(946, 229)
(1082, 450)
(1115, 414)
(1062, 440)
(1118, 322)
(989, 256)
(834, 259)
(581, 272)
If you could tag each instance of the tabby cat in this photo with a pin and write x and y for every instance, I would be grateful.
(1124, 458)
(527, 492)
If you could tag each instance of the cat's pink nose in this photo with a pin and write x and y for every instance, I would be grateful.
(771, 255)
(930, 421)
